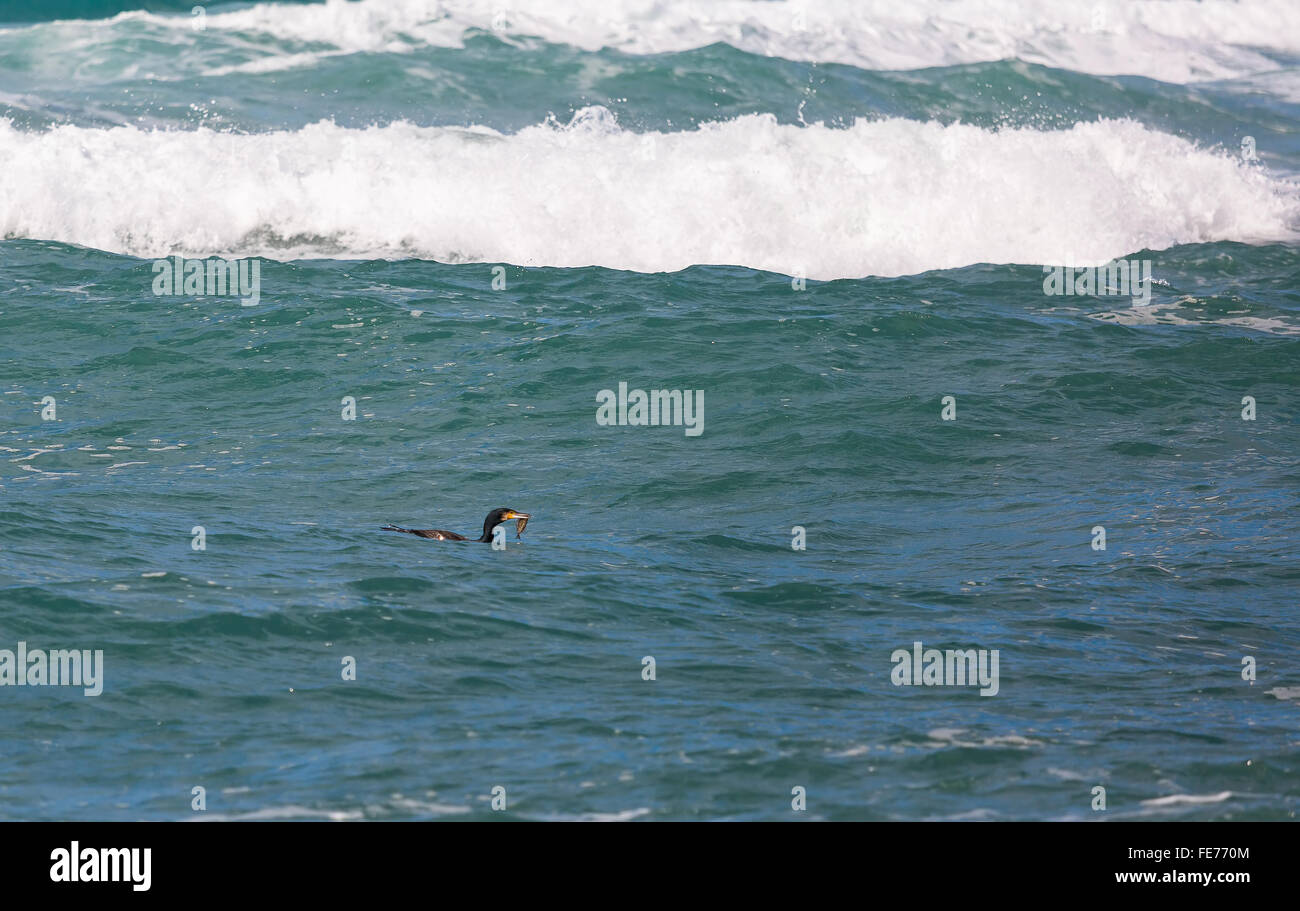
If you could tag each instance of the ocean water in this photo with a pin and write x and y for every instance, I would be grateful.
(820, 221)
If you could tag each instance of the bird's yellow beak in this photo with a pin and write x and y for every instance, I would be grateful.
(521, 520)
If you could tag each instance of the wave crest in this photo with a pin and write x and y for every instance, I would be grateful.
(1171, 40)
(885, 197)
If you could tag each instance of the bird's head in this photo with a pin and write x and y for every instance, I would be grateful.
(503, 514)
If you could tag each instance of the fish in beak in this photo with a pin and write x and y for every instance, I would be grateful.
(521, 522)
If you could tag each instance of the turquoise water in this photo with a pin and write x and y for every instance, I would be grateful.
(467, 232)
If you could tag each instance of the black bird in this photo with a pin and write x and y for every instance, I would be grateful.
(494, 518)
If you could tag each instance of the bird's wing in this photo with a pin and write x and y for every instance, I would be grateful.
(436, 533)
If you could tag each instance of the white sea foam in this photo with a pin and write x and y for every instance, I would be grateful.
(1169, 313)
(289, 811)
(885, 197)
(1170, 40)
(1180, 800)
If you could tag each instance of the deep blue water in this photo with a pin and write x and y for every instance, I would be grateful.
(471, 231)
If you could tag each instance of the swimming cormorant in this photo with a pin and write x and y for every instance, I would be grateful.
(494, 518)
